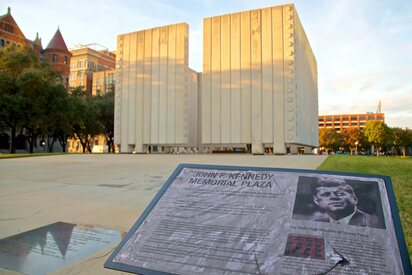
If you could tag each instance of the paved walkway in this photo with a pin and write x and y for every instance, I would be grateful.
(109, 191)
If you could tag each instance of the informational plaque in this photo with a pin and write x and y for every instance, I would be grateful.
(246, 220)
(46, 249)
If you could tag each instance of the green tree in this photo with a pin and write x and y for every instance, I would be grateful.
(85, 121)
(377, 133)
(329, 139)
(106, 117)
(34, 85)
(401, 139)
(59, 117)
(352, 137)
(13, 62)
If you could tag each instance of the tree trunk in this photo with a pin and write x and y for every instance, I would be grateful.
(50, 145)
(110, 143)
(31, 141)
(13, 140)
(83, 143)
(89, 147)
(63, 142)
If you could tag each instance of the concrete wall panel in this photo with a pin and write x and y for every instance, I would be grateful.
(235, 93)
(155, 86)
(125, 94)
(181, 85)
(269, 58)
(246, 81)
(278, 84)
(163, 85)
(225, 86)
(216, 82)
(131, 114)
(152, 88)
(171, 85)
(147, 86)
(256, 71)
(267, 76)
(118, 94)
(206, 82)
(139, 92)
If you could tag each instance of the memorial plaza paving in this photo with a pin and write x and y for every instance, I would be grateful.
(103, 190)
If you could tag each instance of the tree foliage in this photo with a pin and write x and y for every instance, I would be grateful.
(329, 139)
(21, 80)
(378, 133)
(105, 115)
(352, 137)
(401, 138)
(86, 124)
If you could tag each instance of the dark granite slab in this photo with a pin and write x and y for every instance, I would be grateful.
(51, 247)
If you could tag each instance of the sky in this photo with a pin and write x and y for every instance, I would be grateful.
(363, 48)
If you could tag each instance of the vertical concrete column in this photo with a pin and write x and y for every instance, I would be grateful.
(256, 68)
(289, 74)
(235, 79)
(225, 87)
(163, 84)
(216, 80)
(278, 82)
(181, 84)
(147, 88)
(267, 77)
(139, 93)
(118, 94)
(131, 110)
(154, 129)
(245, 78)
(171, 84)
(125, 68)
(205, 105)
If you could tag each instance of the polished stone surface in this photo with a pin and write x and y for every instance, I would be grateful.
(48, 248)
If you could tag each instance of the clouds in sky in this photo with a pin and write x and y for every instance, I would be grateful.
(363, 47)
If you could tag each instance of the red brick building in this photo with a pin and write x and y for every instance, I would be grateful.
(59, 57)
(56, 51)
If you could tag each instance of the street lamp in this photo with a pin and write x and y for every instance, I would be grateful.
(356, 148)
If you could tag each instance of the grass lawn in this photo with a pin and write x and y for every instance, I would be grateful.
(400, 171)
(10, 156)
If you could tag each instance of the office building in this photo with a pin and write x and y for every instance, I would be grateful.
(87, 59)
(344, 121)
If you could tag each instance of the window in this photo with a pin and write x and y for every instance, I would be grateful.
(97, 81)
(54, 58)
(92, 65)
(2, 43)
(65, 59)
(79, 64)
